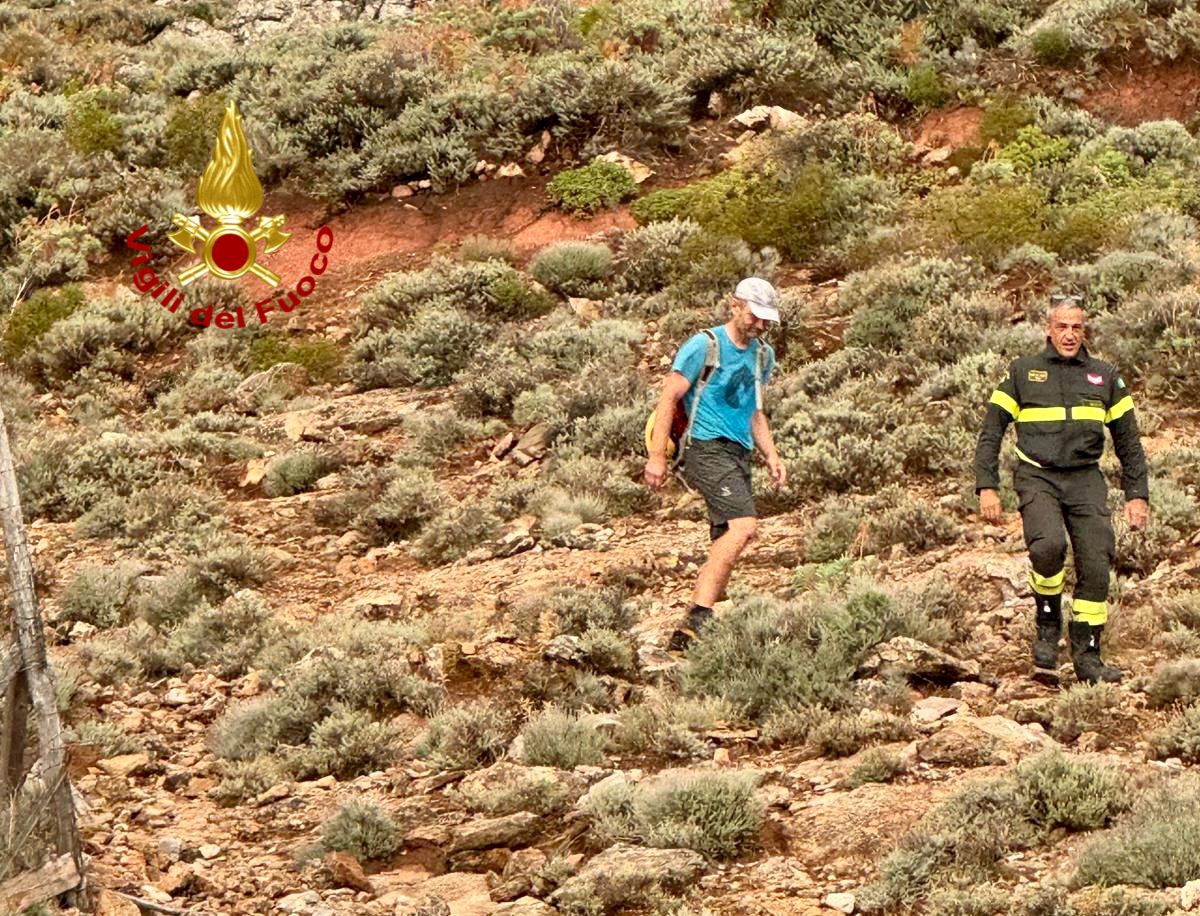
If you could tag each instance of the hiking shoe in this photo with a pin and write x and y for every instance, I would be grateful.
(1085, 653)
(1045, 646)
(689, 631)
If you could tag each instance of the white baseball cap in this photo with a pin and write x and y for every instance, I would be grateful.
(760, 296)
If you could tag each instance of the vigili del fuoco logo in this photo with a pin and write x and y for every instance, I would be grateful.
(229, 193)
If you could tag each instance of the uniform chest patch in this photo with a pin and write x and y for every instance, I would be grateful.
(1038, 375)
(1095, 378)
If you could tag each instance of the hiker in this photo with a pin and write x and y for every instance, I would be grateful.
(716, 381)
(1061, 400)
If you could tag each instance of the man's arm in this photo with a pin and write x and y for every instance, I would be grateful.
(760, 430)
(1002, 409)
(674, 388)
(1127, 442)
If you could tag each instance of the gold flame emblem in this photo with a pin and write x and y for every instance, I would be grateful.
(229, 192)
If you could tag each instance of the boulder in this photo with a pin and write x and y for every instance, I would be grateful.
(625, 874)
(519, 786)
(518, 829)
(970, 742)
(912, 659)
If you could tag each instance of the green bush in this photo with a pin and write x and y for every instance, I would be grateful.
(109, 737)
(573, 268)
(670, 726)
(559, 739)
(364, 829)
(1176, 681)
(661, 206)
(1052, 45)
(989, 221)
(295, 473)
(31, 318)
(765, 656)
(485, 248)
(438, 342)
(876, 765)
(456, 532)
(845, 734)
(100, 595)
(320, 357)
(1158, 846)
(926, 87)
(465, 737)
(1003, 119)
(714, 813)
(1055, 790)
(91, 129)
(1180, 737)
(1082, 707)
(591, 188)
(190, 131)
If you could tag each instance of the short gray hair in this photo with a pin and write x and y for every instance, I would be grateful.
(1061, 301)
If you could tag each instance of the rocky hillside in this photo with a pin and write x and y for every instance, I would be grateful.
(362, 609)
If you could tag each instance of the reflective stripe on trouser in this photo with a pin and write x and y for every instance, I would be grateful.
(1047, 585)
(1061, 504)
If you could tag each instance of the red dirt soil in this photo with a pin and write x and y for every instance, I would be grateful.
(377, 237)
(956, 127)
(1147, 93)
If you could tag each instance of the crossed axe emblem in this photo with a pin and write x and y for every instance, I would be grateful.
(229, 251)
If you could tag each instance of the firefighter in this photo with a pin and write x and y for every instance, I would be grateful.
(1061, 401)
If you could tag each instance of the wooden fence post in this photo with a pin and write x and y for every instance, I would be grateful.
(31, 670)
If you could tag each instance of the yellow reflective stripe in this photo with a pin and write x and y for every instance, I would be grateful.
(1119, 409)
(1004, 402)
(1088, 413)
(1093, 612)
(1026, 458)
(1041, 414)
(1047, 585)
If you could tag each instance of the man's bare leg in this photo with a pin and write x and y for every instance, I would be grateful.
(714, 574)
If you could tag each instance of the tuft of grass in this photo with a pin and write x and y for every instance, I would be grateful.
(108, 736)
(1081, 708)
(876, 765)
(486, 248)
(559, 739)
(362, 828)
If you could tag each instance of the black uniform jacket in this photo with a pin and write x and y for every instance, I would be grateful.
(1061, 406)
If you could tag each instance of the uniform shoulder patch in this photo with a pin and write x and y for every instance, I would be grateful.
(1038, 375)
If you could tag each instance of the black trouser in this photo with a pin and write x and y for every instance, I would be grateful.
(1078, 499)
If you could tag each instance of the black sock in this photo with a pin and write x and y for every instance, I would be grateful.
(699, 609)
(1049, 607)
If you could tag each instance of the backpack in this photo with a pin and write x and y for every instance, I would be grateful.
(682, 420)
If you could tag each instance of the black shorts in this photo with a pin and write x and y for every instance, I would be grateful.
(720, 470)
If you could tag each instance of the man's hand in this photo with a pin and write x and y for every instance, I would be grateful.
(656, 471)
(1137, 513)
(778, 471)
(989, 506)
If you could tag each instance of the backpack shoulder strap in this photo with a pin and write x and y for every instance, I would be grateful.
(760, 370)
(712, 362)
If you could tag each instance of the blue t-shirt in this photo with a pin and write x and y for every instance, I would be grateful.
(727, 403)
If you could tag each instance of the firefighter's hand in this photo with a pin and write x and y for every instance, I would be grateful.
(1137, 513)
(656, 471)
(989, 506)
(778, 471)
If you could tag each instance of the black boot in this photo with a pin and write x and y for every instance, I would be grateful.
(1049, 631)
(1085, 653)
(689, 631)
